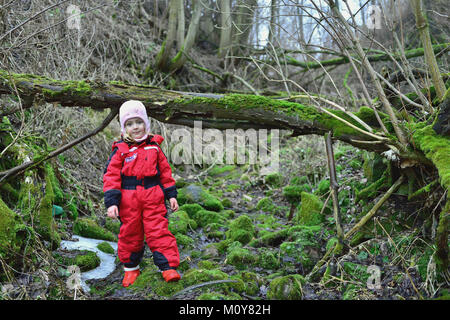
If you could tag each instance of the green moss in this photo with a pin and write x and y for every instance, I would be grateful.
(309, 213)
(241, 229)
(270, 239)
(286, 288)
(323, 187)
(219, 296)
(373, 166)
(194, 194)
(151, 278)
(86, 227)
(274, 180)
(436, 148)
(227, 203)
(7, 231)
(184, 240)
(204, 217)
(356, 272)
(105, 247)
(292, 193)
(191, 209)
(196, 276)
(219, 171)
(59, 195)
(251, 282)
(215, 231)
(239, 257)
(179, 222)
(47, 227)
(266, 204)
(267, 259)
(88, 260)
(113, 226)
(371, 190)
(207, 264)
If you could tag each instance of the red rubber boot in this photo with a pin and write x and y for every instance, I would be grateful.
(130, 277)
(171, 275)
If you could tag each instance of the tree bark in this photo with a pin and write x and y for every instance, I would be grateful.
(225, 31)
(180, 58)
(422, 26)
(162, 59)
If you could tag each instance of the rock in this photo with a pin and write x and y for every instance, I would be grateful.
(286, 288)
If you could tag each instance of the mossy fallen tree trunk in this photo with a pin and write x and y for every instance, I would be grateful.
(215, 111)
(228, 111)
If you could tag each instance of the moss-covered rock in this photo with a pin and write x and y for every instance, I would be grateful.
(194, 194)
(88, 228)
(286, 288)
(105, 247)
(215, 231)
(204, 217)
(151, 279)
(191, 208)
(184, 240)
(180, 222)
(268, 259)
(239, 257)
(266, 204)
(309, 212)
(270, 239)
(241, 229)
(221, 171)
(275, 180)
(196, 276)
(293, 193)
(251, 282)
(87, 260)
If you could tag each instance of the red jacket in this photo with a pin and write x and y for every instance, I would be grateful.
(138, 162)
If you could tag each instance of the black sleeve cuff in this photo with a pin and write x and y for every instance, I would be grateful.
(112, 198)
(170, 192)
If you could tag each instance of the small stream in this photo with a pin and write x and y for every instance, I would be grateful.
(107, 261)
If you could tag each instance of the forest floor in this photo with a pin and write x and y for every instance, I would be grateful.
(273, 262)
(236, 241)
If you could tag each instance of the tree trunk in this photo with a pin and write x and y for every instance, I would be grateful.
(422, 26)
(180, 58)
(162, 59)
(181, 24)
(220, 111)
(225, 25)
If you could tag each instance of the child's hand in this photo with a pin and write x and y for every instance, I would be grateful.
(113, 212)
(173, 204)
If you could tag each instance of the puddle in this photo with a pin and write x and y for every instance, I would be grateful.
(107, 261)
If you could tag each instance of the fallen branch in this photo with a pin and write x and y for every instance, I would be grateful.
(24, 166)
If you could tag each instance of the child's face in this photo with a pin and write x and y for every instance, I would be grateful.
(135, 128)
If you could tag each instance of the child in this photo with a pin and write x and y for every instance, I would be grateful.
(136, 181)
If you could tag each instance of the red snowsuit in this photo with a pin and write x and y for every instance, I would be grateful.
(137, 179)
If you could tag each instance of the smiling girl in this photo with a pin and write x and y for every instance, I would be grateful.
(136, 182)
